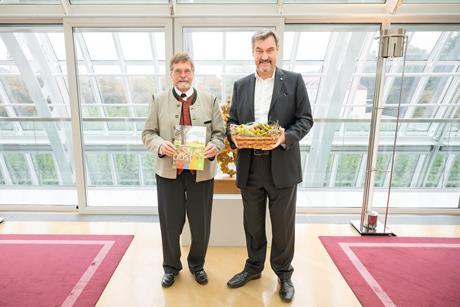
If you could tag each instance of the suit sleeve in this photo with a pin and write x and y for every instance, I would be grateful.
(233, 115)
(218, 129)
(303, 115)
(151, 132)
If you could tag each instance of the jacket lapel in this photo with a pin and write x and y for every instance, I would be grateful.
(278, 85)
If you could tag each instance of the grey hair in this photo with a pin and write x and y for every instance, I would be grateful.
(263, 35)
(181, 57)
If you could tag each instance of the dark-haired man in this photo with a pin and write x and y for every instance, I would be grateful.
(270, 95)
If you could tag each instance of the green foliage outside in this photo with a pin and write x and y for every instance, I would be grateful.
(454, 176)
(17, 167)
(2, 181)
(347, 170)
(44, 167)
(381, 169)
(327, 175)
(148, 169)
(404, 168)
(99, 171)
(436, 170)
(127, 166)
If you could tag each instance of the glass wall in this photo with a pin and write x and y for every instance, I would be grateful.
(36, 157)
(426, 167)
(338, 64)
(121, 62)
(118, 72)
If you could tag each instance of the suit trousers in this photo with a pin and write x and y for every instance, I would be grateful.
(282, 205)
(177, 198)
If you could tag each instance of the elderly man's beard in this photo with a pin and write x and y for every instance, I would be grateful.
(184, 84)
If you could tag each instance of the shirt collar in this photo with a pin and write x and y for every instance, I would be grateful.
(188, 93)
(260, 79)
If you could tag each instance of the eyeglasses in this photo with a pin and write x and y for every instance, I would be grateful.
(179, 72)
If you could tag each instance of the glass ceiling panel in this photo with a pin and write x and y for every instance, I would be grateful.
(305, 50)
(431, 1)
(334, 1)
(57, 42)
(421, 45)
(136, 46)
(30, 2)
(118, 1)
(429, 91)
(101, 46)
(451, 49)
(227, 1)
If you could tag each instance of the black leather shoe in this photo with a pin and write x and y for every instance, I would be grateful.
(286, 290)
(167, 280)
(241, 279)
(201, 277)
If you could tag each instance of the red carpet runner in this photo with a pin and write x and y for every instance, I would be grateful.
(57, 270)
(398, 271)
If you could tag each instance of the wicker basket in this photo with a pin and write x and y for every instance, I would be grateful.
(256, 142)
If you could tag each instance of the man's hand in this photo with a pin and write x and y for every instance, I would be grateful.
(168, 149)
(210, 151)
(234, 142)
(281, 139)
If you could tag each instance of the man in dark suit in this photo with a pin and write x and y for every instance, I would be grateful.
(270, 95)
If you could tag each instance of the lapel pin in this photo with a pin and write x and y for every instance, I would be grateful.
(281, 78)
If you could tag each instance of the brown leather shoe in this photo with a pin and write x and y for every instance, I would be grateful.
(241, 279)
(286, 290)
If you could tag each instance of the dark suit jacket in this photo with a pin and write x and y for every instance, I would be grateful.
(289, 107)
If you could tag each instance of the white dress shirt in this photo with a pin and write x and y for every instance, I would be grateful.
(262, 97)
(188, 93)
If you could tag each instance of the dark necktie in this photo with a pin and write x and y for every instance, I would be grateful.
(184, 121)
